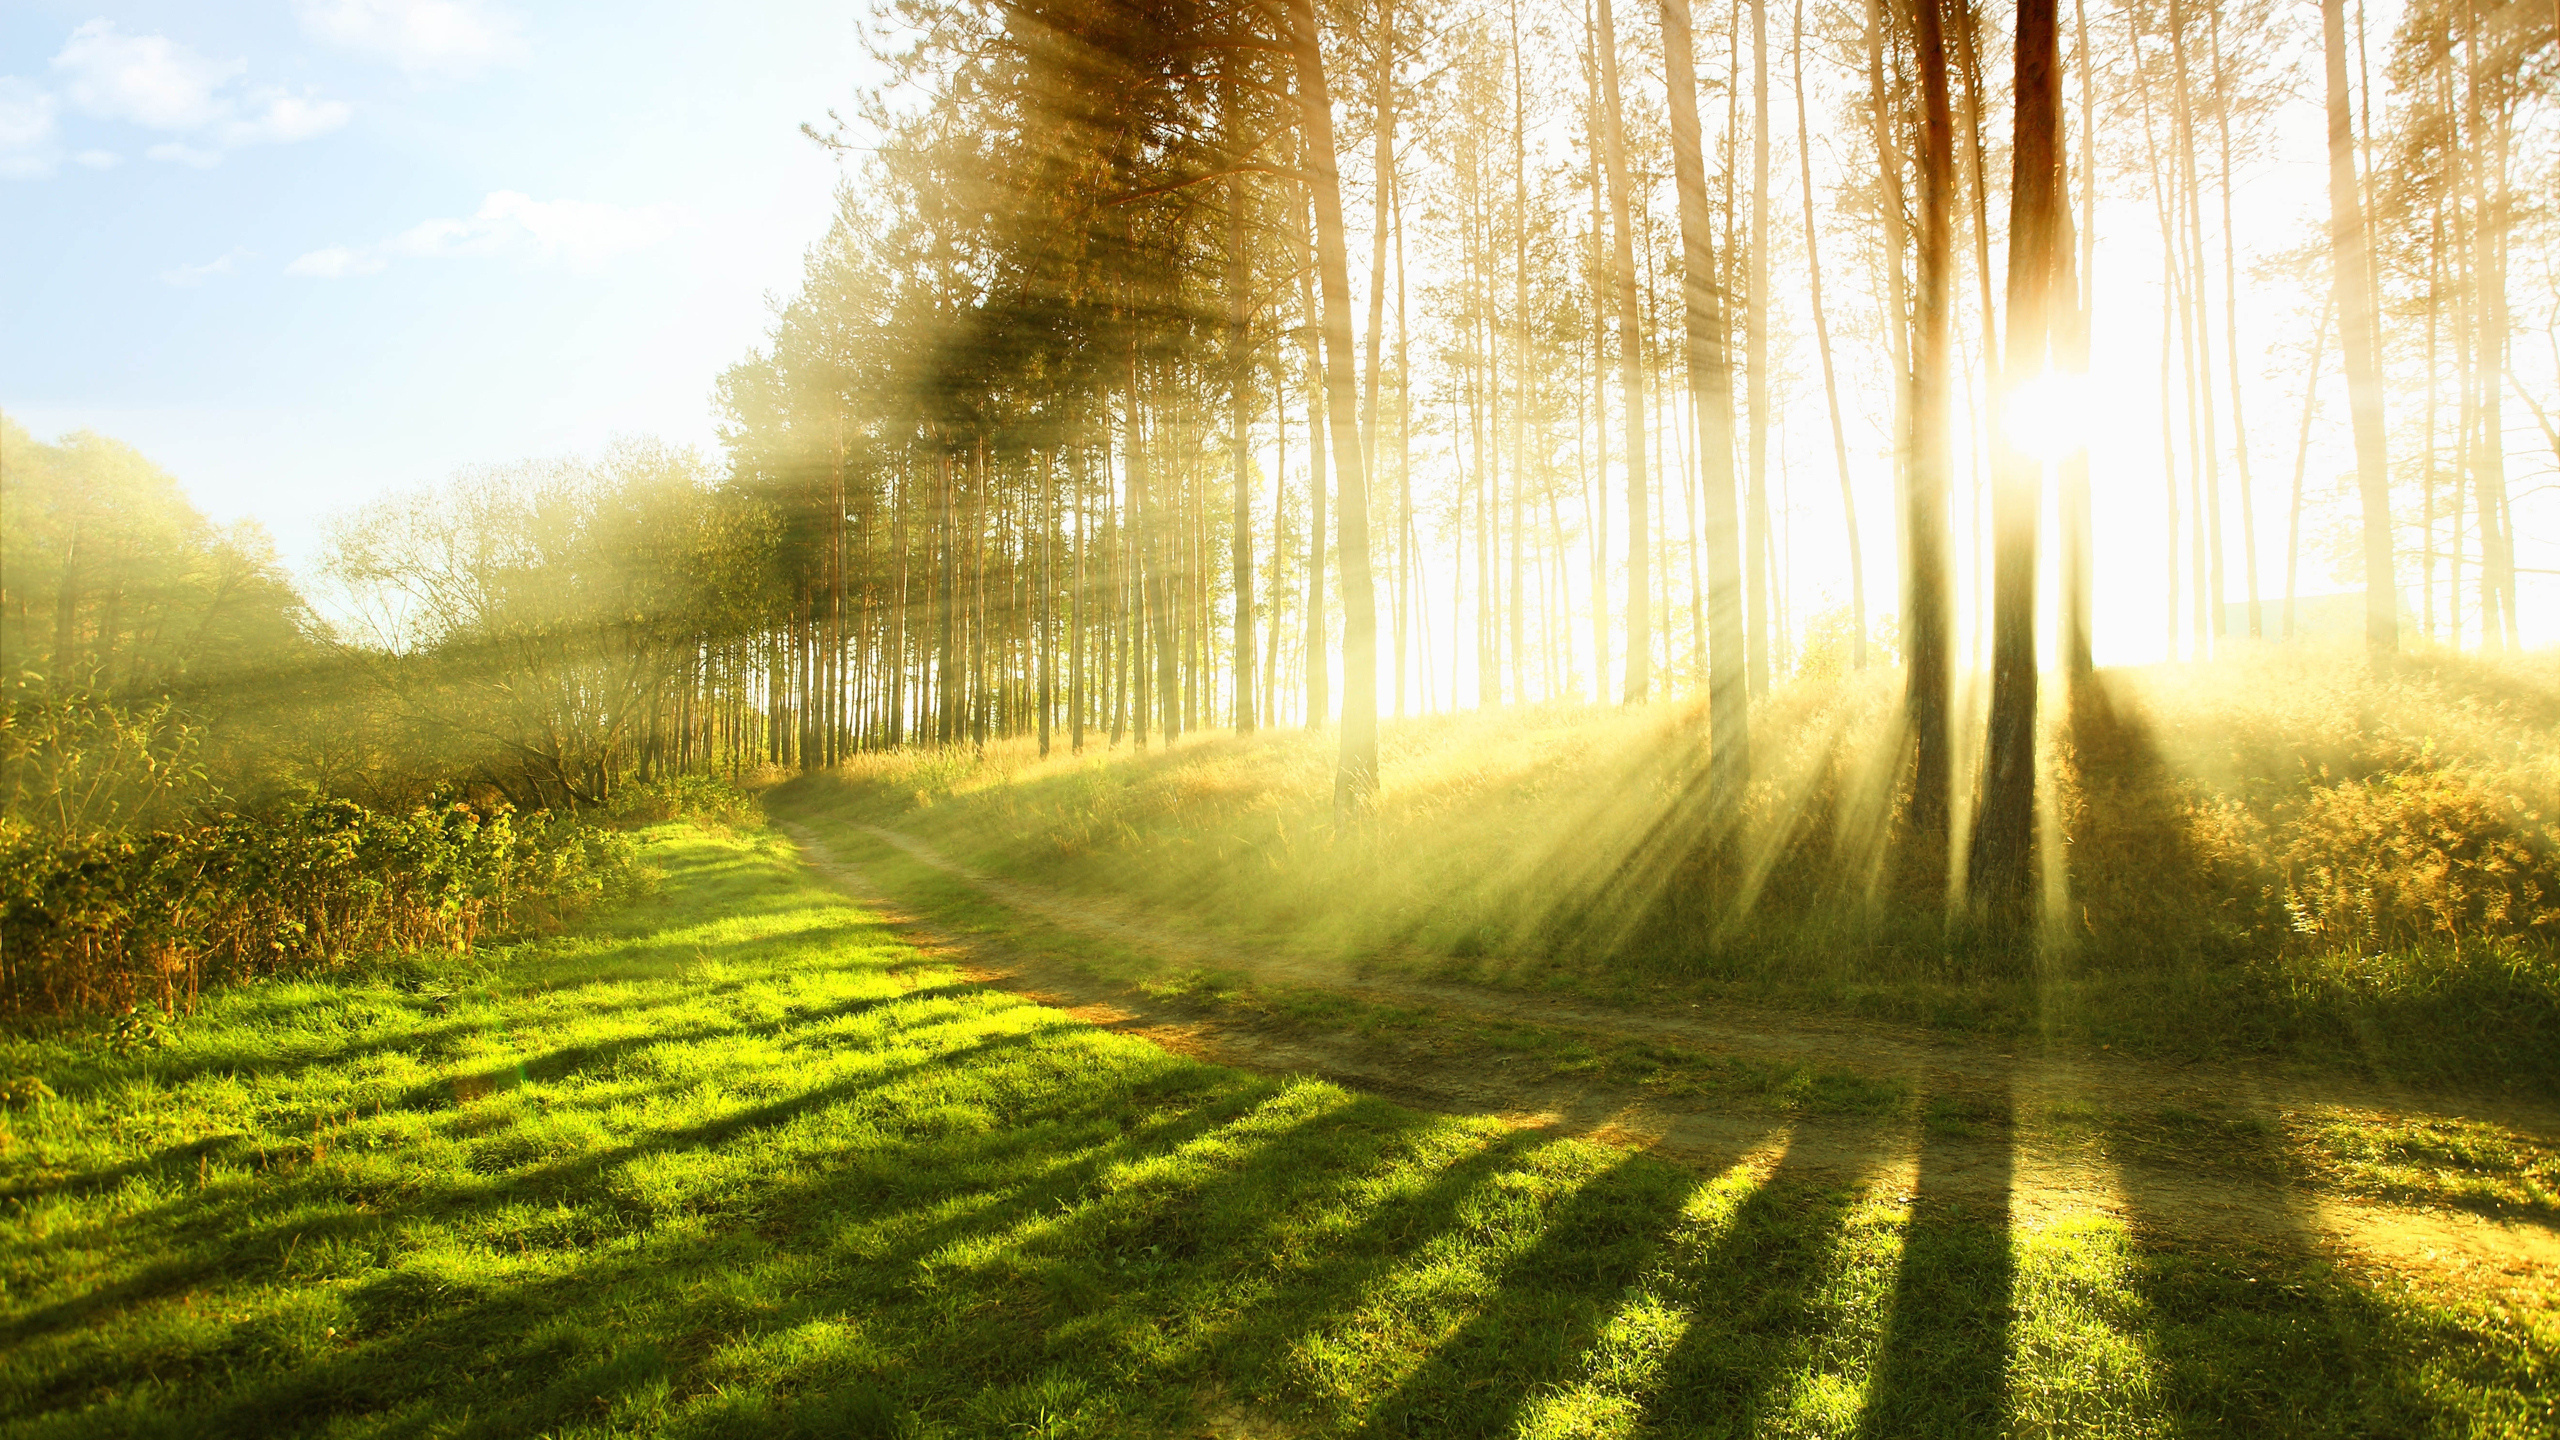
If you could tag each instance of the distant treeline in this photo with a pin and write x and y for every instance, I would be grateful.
(202, 781)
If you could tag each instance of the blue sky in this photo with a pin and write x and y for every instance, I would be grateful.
(303, 252)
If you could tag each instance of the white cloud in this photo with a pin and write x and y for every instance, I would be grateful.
(156, 82)
(579, 233)
(281, 119)
(334, 263)
(150, 80)
(99, 159)
(189, 276)
(26, 130)
(447, 38)
(178, 152)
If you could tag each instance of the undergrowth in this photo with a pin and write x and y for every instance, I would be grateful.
(2280, 854)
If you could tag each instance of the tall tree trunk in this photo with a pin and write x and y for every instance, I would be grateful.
(2302, 459)
(1597, 516)
(1889, 166)
(1318, 677)
(1166, 574)
(1045, 652)
(2356, 343)
(1710, 371)
(2002, 868)
(1240, 447)
(2489, 344)
(1404, 590)
(1356, 777)
(2231, 332)
(1630, 371)
(1830, 378)
(2201, 404)
(1519, 360)
(1926, 683)
(1756, 336)
(1382, 178)
(2078, 558)
(946, 684)
(1076, 621)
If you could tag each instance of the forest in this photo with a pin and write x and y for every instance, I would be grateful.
(1244, 798)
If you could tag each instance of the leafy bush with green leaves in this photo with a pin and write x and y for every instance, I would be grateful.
(706, 799)
(107, 922)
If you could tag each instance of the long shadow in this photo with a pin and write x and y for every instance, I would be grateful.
(520, 1323)
(2253, 1330)
(1753, 1298)
(1544, 1308)
(272, 1065)
(1945, 1360)
(291, 1197)
(176, 1161)
(2135, 870)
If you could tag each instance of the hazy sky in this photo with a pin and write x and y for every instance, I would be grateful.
(303, 251)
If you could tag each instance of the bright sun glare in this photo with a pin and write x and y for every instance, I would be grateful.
(2048, 415)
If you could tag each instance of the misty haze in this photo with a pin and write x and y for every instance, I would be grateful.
(1100, 718)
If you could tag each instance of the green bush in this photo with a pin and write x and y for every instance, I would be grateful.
(707, 799)
(108, 922)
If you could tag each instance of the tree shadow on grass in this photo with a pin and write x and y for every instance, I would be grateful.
(300, 1198)
(2253, 1328)
(1945, 1362)
(1542, 1309)
(1753, 1298)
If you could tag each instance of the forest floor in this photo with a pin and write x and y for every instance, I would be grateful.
(753, 1157)
(2462, 1190)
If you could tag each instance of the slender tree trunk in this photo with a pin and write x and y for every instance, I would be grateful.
(2079, 598)
(1076, 621)
(1404, 591)
(2201, 404)
(1356, 780)
(2002, 870)
(2231, 332)
(2356, 343)
(1597, 517)
(1926, 648)
(1710, 372)
(1167, 577)
(1240, 447)
(1756, 365)
(1889, 166)
(2489, 344)
(1830, 378)
(946, 608)
(1318, 677)
(2302, 459)
(1630, 373)
(1519, 360)
(1382, 173)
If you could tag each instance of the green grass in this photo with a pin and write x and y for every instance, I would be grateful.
(735, 1161)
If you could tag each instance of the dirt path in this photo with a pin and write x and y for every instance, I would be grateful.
(2043, 1172)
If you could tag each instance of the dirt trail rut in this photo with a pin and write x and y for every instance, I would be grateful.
(2041, 1173)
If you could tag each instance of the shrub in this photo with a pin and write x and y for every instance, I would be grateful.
(708, 799)
(2418, 856)
(90, 922)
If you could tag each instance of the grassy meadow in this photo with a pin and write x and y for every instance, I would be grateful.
(2278, 856)
(737, 1160)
